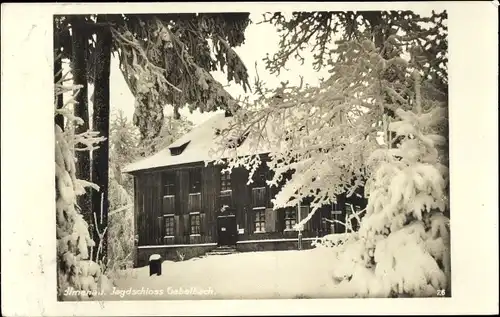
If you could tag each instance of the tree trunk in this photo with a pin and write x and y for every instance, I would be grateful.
(79, 69)
(58, 119)
(100, 123)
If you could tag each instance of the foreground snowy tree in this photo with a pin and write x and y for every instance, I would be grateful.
(379, 123)
(75, 267)
(403, 244)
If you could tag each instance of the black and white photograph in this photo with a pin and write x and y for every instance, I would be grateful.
(252, 154)
(168, 180)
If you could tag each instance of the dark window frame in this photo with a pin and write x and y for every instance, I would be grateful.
(194, 223)
(304, 206)
(169, 224)
(260, 178)
(226, 199)
(290, 221)
(260, 220)
(168, 184)
(195, 181)
(225, 182)
(350, 211)
(265, 199)
(347, 208)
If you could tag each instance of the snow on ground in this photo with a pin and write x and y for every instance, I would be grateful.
(248, 275)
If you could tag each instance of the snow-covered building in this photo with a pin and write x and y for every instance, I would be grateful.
(183, 206)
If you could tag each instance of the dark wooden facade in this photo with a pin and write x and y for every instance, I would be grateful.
(180, 205)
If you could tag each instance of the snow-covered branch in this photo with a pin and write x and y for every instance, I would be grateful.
(332, 139)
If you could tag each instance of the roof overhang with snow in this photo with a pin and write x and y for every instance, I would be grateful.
(197, 146)
(194, 146)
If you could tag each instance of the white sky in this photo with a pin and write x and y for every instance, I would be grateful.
(259, 40)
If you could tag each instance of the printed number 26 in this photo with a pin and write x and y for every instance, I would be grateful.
(441, 292)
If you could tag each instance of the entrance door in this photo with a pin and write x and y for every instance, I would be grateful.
(227, 232)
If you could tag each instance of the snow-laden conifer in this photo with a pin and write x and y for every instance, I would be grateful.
(75, 268)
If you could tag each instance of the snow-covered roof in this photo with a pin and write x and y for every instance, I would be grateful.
(198, 144)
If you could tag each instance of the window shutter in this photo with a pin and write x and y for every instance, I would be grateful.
(304, 211)
(186, 225)
(161, 232)
(251, 217)
(270, 220)
(168, 204)
(280, 220)
(178, 226)
(202, 224)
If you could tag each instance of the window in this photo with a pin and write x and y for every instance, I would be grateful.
(259, 197)
(178, 149)
(168, 183)
(226, 199)
(169, 225)
(290, 218)
(195, 181)
(225, 191)
(350, 209)
(194, 202)
(261, 193)
(195, 224)
(225, 182)
(260, 220)
(304, 211)
(259, 178)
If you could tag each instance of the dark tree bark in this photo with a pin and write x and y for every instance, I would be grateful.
(100, 123)
(59, 119)
(79, 69)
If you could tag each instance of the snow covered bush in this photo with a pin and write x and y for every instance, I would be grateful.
(74, 268)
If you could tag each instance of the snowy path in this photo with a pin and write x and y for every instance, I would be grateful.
(250, 275)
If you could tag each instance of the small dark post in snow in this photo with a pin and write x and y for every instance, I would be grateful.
(155, 264)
